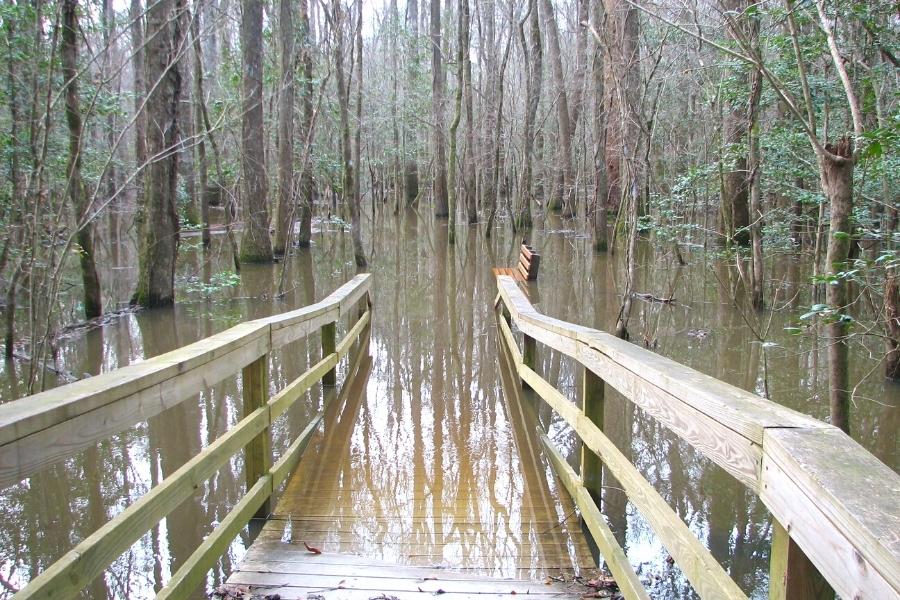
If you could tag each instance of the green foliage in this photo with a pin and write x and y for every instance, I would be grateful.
(219, 282)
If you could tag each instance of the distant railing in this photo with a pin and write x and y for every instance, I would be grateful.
(836, 508)
(44, 428)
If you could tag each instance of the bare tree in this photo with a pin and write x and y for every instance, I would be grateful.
(255, 243)
(78, 195)
(159, 242)
(284, 222)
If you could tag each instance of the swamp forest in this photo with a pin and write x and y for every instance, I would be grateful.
(713, 180)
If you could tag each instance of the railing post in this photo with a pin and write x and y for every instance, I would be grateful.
(257, 455)
(592, 403)
(529, 354)
(328, 347)
(791, 574)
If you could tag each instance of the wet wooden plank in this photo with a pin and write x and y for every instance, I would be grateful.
(612, 552)
(839, 504)
(279, 567)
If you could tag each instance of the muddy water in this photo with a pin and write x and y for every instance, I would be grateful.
(434, 417)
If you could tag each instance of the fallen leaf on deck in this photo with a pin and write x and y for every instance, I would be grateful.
(312, 549)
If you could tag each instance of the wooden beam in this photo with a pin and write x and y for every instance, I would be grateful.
(592, 405)
(629, 584)
(257, 452)
(328, 347)
(839, 504)
(703, 571)
(791, 574)
(77, 568)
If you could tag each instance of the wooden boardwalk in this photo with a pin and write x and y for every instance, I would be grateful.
(375, 544)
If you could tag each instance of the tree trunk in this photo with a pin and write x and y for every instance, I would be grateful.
(187, 127)
(284, 223)
(565, 175)
(159, 242)
(469, 179)
(140, 120)
(78, 195)
(754, 164)
(892, 325)
(441, 209)
(110, 176)
(601, 191)
(306, 180)
(255, 243)
(200, 127)
(491, 79)
(410, 166)
(622, 91)
(735, 226)
(396, 150)
(533, 56)
(359, 253)
(837, 183)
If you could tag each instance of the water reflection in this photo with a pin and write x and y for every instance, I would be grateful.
(436, 451)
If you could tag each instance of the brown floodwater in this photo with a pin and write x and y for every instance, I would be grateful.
(432, 435)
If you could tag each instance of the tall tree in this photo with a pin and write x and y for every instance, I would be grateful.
(284, 221)
(410, 165)
(78, 195)
(255, 243)
(359, 254)
(343, 92)
(531, 50)
(307, 185)
(159, 241)
(735, 206)
(565, 174)
(470, 181)
(136, 16)
(601, 191)
(441, 208)
(623, 92)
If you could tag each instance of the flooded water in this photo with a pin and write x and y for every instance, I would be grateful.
(440, 436)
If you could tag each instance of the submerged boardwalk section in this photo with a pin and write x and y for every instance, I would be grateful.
(341, 531)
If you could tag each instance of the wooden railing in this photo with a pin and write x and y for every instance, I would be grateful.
(52, 425)
(836, 508)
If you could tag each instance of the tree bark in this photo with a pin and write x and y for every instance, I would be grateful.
(140, 120)
(533, 55)
(78, 195)
(359, 254)
(470, 182)
(622, 91)
(186, 127)
(307, 185)
(411, 166)
(199, 123)
(284, 223)
(159, 242)
(837, 183)
(601, 191)
(892, 325)
(441, 208)
(565, 176)
(255, 243)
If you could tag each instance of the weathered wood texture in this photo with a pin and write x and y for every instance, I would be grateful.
(287, 569)
(527, 265)
(45, 428)
(66, 577)
(837, 501)
(699, 566)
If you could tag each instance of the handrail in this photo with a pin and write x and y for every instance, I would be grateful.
(47, 427)
(175, 375)
(830, 497)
